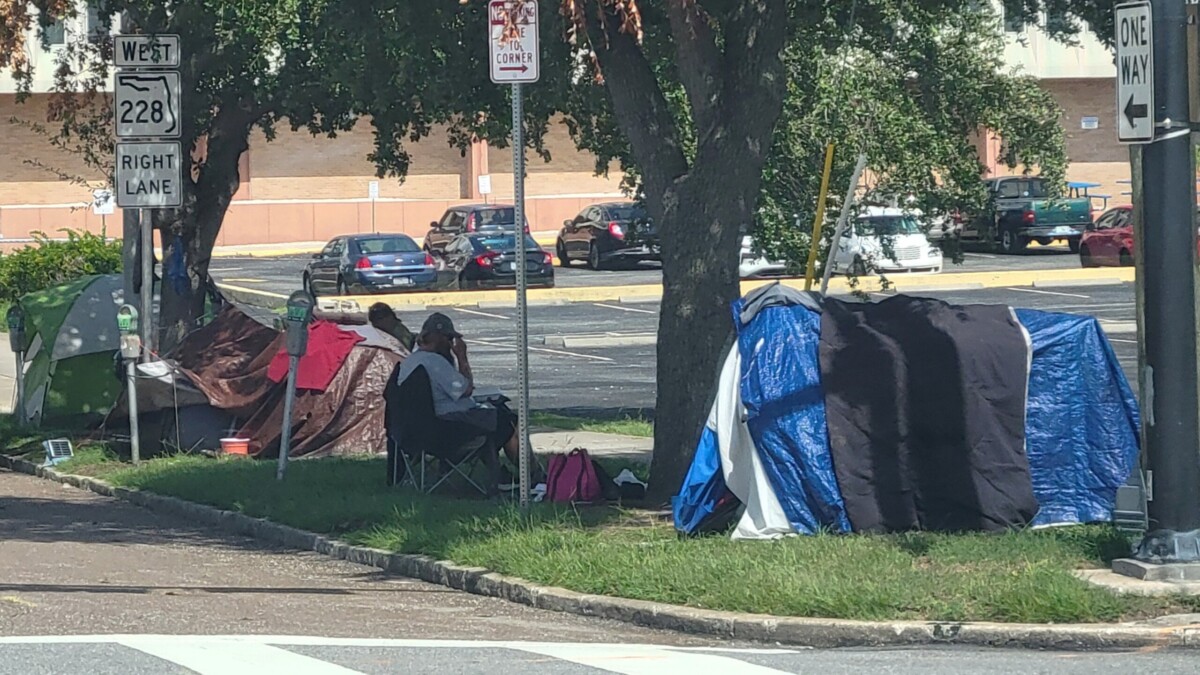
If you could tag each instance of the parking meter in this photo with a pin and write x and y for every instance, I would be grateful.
(16, 328)
(127, 324)
(16, 339)
(299, 315)
(131, 349)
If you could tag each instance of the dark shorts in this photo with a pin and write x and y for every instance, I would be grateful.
(496, 422)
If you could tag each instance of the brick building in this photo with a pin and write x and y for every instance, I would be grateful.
(1082, 78)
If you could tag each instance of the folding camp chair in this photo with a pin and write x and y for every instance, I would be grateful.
(415, 435)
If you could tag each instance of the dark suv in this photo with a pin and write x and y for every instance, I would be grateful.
(604, 234)
(469, 219)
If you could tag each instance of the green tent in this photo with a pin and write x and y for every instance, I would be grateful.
(70, 343)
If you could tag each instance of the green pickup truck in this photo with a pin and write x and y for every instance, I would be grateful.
(1020, 210)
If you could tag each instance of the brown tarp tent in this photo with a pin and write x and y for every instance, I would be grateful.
(227, 361)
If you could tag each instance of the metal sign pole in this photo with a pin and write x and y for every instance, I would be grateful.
(1169, 279)
(147, 297)
(522, 284)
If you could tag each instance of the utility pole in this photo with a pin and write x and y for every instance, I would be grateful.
(1167, 277)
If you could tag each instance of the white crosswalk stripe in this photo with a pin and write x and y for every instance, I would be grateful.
(258, 654)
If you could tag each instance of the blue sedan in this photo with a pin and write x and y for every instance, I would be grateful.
(369, 263)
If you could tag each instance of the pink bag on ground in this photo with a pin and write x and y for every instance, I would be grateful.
(572, 478)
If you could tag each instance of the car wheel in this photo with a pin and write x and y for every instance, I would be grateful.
(308, 286)
(594, 262)
(342, 288)
(1127, 259)
(1074, 244)
(561, 251)
(1011, 242)
(1085, 257)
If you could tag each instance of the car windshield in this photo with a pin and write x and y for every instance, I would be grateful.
(888, 226)
(498, 218)
(387, 245)
(1033, 188)
(628, 212)
(503, 243)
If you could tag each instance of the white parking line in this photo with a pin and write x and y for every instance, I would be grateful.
(626, 309)
(479, 313)
(1128, 342)
(1033, 290)
(542, 350)
(979, 255)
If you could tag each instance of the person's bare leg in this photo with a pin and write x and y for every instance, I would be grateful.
(512, 449)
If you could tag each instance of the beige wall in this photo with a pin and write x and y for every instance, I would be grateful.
(305, 188)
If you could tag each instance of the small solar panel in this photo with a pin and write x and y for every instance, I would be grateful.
(57, 450)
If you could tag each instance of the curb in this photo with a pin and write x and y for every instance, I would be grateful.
(816, 633)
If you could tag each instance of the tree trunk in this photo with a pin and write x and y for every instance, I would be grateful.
(192, 231)
(735, 89)
(700, 232)
(183, 299)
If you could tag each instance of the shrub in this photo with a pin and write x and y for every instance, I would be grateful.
(49, 262)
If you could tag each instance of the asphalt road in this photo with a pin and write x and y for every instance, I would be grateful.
(283, 275)
(601, 356)
(238, 655)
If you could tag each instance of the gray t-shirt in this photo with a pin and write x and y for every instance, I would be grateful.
(449, 387)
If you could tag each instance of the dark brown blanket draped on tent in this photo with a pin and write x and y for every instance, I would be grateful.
(925, 406)
(228, 361)
(345, 419)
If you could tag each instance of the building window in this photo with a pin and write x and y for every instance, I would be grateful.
(96, 30)
(1057, 23)
(55, 34)
(1014, 23)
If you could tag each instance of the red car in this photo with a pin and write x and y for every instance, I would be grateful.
(1109, 242)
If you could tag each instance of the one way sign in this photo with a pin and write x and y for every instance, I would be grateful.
(1135, 73)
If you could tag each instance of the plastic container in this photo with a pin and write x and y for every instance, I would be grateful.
(235, 446)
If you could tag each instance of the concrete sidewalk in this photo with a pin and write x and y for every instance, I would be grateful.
(629, 449)
(78, 563)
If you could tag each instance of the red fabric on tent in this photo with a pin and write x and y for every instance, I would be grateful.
(328, 347)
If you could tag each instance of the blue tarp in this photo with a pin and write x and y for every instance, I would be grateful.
(1081, 419)
(703, 486)
(1081, 422)
(785, 409)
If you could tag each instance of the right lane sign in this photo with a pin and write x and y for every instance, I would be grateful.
(1135, 73)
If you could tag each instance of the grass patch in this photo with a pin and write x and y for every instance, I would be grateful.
(629, 426)
(1018, 577)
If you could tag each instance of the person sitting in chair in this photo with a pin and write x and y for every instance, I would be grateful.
(443, 353)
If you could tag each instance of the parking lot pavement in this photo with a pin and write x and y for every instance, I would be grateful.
(614, 372)
(283, 275)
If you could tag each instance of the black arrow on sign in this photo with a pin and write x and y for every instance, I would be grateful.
(1135, 112)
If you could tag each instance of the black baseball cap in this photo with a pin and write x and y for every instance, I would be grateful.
(440, 323)
(380, 310)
